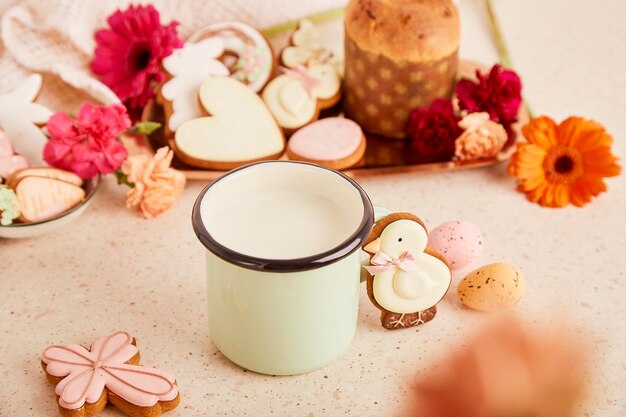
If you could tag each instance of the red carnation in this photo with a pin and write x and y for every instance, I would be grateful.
(499, 94)
(433, 132)
(128, 54)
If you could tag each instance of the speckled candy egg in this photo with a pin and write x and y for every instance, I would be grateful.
(491, 287)
(458, 241)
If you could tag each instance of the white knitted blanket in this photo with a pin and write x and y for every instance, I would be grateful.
(55, 37)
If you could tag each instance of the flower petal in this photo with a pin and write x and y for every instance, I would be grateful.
(541, 131)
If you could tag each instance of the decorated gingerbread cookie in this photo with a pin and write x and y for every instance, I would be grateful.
(240, 129)
(21, 118)
(109, 372)
(9, 162)
(406, 279)
(43, 193)
(187, 68)
(306, 48)
(297, 96)
(247, 54)
(9, 207)
(333, 142)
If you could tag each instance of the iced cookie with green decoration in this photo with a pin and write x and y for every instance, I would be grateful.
(9, 207)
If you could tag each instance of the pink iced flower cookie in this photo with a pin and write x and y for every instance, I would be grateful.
(109, 372)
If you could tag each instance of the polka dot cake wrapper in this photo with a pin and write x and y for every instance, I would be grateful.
(381, 93)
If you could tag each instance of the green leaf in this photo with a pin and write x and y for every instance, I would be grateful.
(122, 179)
(144, 128)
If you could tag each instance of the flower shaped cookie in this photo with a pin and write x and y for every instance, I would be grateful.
(108, 372)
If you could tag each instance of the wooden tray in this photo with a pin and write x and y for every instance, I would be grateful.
(382, 155)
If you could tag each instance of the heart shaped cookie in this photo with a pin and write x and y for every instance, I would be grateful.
(42, 198)
(240, 129)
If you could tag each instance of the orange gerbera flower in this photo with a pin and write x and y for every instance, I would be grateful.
(565, 163)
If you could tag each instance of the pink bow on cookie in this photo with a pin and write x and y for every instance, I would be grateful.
(381, 262)
(300, 72)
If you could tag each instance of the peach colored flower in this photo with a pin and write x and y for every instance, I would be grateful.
(481, 137)
(156, 184)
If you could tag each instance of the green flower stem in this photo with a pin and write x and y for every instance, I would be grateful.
(123, 179)
(289, 26)
(144, 128)
(503, 51)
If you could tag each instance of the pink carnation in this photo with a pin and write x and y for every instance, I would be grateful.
(87, 145)
(128, 55)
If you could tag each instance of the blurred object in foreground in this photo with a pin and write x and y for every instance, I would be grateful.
(506, 371)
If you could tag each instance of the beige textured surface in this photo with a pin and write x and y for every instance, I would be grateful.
(112, 270)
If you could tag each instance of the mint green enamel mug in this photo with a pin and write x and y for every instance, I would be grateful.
(283, 263)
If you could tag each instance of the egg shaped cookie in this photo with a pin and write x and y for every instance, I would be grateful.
(497, 286)
(460, 242)
(333, 142)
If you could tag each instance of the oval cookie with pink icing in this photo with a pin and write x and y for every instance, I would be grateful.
(333, 142)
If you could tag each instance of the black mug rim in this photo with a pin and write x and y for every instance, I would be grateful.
(347, 247)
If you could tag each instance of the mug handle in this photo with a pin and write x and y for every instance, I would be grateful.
(379, 213)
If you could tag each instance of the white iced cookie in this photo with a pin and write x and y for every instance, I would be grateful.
(240, 129)
(296, 97)
(306, 48)
(290, 103)
(21, 118)
(187, 68)
(406, 278)
(247, 53)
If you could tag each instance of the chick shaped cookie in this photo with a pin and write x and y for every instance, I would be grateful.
(406, 278)
(109, 372)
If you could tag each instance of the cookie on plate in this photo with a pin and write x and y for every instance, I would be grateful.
(239, 130)
(296, 97)
(43, 193)
(306, 48)
(21, 118)
(186, 68)
(9, 161)
(247, 54)
(333, 142)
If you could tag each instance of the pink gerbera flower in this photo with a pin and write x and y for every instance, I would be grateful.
(87, 145)
(128, 55)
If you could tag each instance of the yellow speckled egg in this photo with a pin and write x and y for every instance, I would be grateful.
(491, 287)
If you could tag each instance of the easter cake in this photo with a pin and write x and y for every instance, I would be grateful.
(399, 55)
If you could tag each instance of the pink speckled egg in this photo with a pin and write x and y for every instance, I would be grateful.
(458, 241)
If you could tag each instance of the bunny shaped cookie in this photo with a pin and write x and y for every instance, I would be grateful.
(406, 279)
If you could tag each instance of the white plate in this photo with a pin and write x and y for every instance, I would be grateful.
(24, 230)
